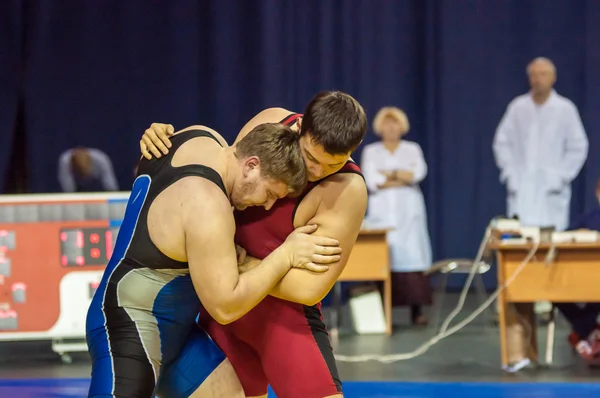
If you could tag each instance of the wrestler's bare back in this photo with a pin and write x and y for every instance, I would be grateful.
(166, 216)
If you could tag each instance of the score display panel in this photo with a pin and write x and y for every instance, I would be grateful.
(81, 247)
(49, 242)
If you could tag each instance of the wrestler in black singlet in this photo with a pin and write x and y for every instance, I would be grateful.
(146, 306)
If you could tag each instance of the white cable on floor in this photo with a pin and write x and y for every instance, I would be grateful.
(444, 332)
(465, 291)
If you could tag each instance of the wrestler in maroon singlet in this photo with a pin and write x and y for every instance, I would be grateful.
(279, 342)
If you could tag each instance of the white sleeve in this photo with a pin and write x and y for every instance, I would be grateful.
(65, 174)
(420, 170)
(575, 152)
(107, 173)
(503, 147)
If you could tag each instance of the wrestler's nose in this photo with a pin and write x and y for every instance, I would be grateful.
(269, 204)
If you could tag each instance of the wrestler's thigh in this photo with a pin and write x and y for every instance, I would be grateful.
(200, 370)
(299, 361)
(243, 357)
(126, 357)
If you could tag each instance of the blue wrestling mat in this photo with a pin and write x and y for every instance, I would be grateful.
(71, 388)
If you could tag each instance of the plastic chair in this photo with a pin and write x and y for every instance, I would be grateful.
(460, 266)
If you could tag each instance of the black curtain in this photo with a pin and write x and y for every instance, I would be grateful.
(98, 73)
(11, 83)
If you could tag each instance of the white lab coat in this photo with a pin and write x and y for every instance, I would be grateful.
(403, 208)
(539, 150)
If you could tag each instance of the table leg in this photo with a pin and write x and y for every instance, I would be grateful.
(387, 303)
(550, 337)
(502, 313)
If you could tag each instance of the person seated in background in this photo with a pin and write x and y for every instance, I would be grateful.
(86, 170)
(585, 334)
(393, 169)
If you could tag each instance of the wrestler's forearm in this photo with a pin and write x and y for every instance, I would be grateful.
(340, 217)
(303, 287)
(251, 287)
(301, 278)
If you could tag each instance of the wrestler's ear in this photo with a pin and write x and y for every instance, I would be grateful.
(251, 164)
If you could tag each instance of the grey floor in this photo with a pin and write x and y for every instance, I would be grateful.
(473, 354)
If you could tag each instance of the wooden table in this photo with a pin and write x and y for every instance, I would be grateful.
(573, 276)
(369, 261)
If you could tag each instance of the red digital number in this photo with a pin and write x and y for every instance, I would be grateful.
(95, 253)
(94, 238)
(108, 239)
(79, 239)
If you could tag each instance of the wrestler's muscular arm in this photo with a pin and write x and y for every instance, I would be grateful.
(155, 142)
(209, 230)
(342, 207)
(270, 115)
(342, 221)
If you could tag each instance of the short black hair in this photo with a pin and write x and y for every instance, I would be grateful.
(336, 121)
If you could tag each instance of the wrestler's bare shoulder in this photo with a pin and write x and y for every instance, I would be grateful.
(193, 193)
(348, 188)
(272, 115)
(269, 115)
(340, 184)
(202, 150)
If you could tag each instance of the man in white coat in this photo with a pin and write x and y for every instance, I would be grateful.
(540, 147)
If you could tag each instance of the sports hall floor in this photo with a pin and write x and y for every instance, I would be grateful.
(465, 365)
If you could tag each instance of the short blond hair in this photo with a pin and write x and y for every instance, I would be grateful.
(278, 148)
(391, 112)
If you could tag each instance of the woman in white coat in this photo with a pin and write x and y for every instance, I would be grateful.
(393, 169)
